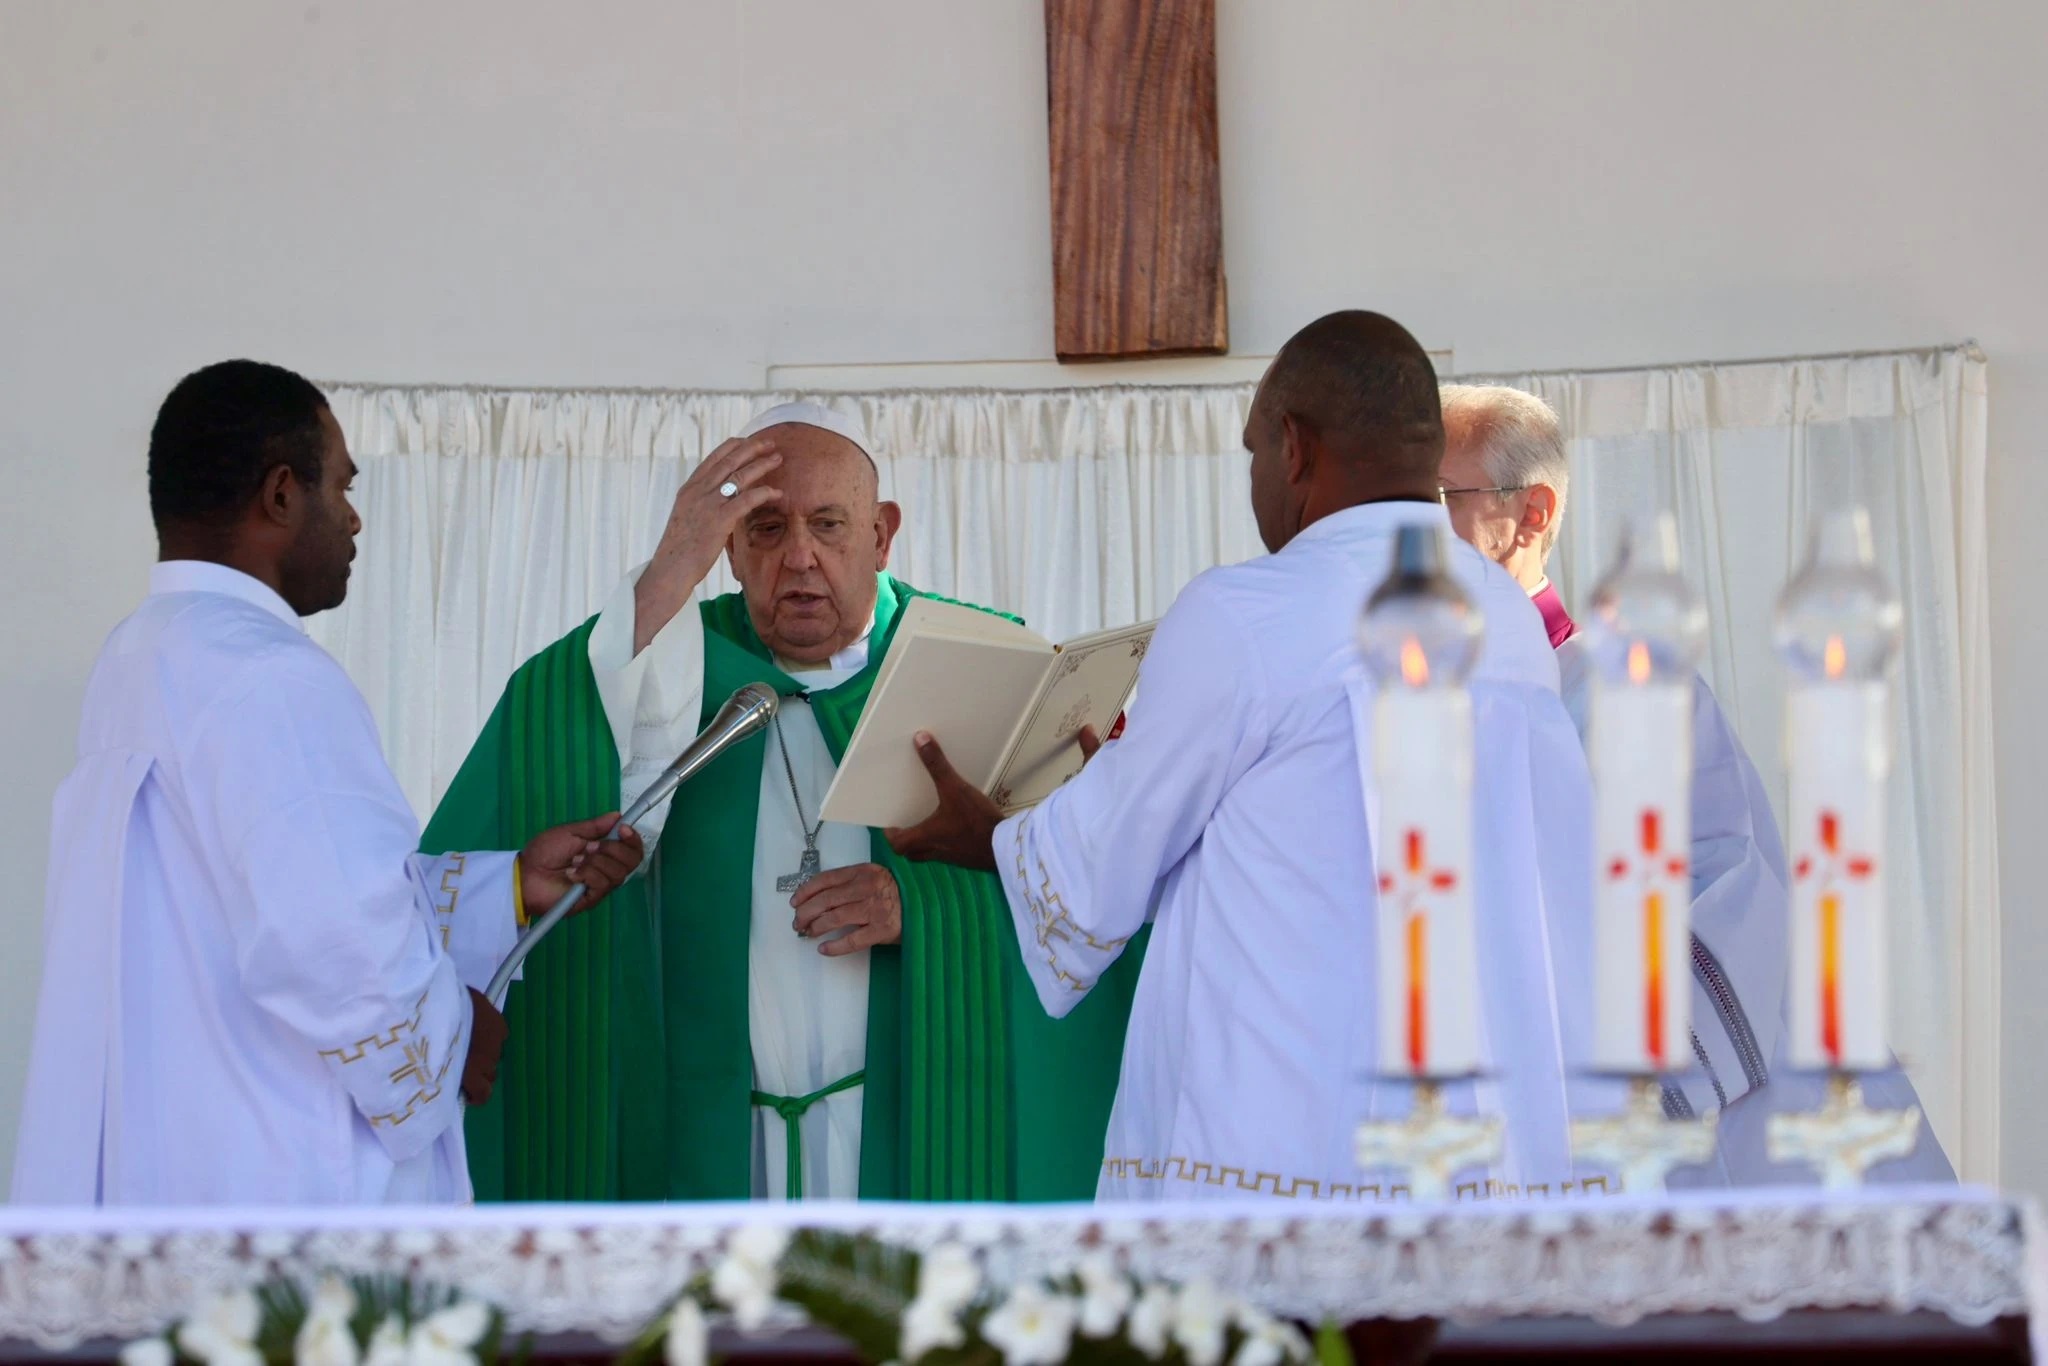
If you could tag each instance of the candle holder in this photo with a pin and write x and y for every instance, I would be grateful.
(1642, 1143)
(1844, 1138)
(1839, 628)
(1431, 1144)
(1419, 637)
(1645, 635)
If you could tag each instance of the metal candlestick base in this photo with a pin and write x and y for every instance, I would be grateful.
(1430, 1145)
(1642, 1143)
(1844, 1138)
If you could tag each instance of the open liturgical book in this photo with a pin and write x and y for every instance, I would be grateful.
(1003, 702)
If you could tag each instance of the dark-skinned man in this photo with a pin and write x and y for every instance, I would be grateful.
(1231, 816)
(254, 991)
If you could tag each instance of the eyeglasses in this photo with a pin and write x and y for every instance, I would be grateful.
(1443, 495)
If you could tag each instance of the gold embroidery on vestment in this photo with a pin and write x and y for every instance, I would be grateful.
(1053, 922)
(389, 1038)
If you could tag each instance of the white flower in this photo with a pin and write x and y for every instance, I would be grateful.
(1105, 1295)
(745, 1281)
(928, 1324)
(948, 1277)
(1152, 1320)
(1200, 1318)
(387, 1344)
(1032, 1328)
(449, 1336)
(1268, 1341)
(148, 1352)
(689, 1340)
(332, 1298)
(222, 1332)
(325, 1341)
(325, 1338)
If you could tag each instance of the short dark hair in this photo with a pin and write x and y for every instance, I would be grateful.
(1365, 384)
(221, 431)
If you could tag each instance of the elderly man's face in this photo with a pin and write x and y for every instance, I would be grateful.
(807, 561)
(1488, 520)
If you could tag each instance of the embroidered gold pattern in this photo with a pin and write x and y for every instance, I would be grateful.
(1053, 922)
(419, 1057)
(450, 877)
(1303, 1187)
(388, 1039)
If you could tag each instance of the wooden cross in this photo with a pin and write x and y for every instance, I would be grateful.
(1430, 1145)
(1137, 197)
(1641, 1143)
(1844, 1138)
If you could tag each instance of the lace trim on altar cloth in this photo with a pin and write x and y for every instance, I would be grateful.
(71, 1276)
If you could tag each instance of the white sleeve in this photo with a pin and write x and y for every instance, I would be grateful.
(334, 931)
(652, 700)
(1081, 870)
(465, 896)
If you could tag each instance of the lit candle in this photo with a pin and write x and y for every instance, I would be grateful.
(1838, 630)
(1420, 637)
(1646, 634)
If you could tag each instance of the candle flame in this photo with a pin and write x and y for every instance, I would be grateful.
(1835, 657)
(1639, 663)
(1414, 663)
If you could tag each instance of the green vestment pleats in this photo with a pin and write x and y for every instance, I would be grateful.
(629, 1071)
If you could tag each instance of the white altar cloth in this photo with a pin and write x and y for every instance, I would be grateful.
(68, 1276)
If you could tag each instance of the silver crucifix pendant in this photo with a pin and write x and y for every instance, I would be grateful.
(806, 869)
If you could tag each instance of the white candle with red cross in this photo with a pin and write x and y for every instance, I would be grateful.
(1640, 740)
(1838, 630)
(1420, 636)
(1646, 632)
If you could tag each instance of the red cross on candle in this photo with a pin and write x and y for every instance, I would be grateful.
(1832, 868)
(1655, 860)
(1414, 879)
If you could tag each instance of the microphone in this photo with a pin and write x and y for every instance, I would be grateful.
(748, 710)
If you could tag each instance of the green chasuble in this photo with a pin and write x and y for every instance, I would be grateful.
(629, 1071)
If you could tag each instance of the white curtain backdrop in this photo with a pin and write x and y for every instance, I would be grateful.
(495, 520)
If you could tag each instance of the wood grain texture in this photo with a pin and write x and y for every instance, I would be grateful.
(1137, 198)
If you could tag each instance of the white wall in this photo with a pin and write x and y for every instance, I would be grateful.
(683, 193)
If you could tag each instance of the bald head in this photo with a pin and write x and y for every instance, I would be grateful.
(1347, 414)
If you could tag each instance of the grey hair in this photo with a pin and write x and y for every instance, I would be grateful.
(1521, 441)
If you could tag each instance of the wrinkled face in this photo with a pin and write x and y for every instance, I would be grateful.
(313, 572)
(807, 561)
(1488, 520)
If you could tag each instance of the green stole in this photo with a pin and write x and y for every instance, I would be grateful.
(629, 1071)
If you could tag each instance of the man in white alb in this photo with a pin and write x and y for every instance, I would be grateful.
(254, 991)
(1505, 478)
(1232, 815)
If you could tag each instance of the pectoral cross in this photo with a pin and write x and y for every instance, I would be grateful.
(1844, 1138)
(807, 868)
(1641, 1143)
(1430, 1145)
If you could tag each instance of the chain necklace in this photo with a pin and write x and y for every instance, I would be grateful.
(810, 865)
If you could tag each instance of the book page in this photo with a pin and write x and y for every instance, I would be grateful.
(968, 693)
(1091, 679)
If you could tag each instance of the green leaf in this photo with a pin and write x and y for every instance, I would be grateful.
(1332, 1347)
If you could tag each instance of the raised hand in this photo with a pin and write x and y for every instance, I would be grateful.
(864, 896)
(577, 852)
(962, 831)
(701, 520)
